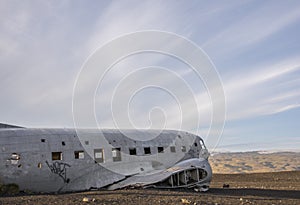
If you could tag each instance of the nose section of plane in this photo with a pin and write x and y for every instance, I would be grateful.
(204, 154)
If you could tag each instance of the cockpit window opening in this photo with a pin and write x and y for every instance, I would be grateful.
(56, 155)
(172, 149)
(195, 144)
(160, 149)
(79, 154)
(202, 144)
(43, 140)
(147, 150)
(116, 154)
(132, 151)
(183, 148)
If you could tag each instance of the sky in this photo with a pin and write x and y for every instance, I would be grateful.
(253, 45)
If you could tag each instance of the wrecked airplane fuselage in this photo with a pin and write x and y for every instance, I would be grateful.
(62, 160)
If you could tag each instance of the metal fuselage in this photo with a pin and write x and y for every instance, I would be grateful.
(61, 160)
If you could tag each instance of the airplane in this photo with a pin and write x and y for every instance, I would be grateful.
(66, 160)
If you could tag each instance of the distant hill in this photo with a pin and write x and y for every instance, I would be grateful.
(253, 162)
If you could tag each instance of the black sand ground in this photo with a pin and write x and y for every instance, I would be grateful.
(262, 188)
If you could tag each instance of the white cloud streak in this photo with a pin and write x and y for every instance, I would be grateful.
(252, 28)
(261, 92)
(43, 45)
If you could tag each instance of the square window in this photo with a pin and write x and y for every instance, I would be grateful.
(132, 151)
(79, 154)
(172, 149)
(160, 149)
(56, 155)
(183, 148)
(147, 150)
(99, 155)
(116, 154)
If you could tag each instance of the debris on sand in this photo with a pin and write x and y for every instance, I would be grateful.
(185, 201)
(225, 186)
(281, 193)
(85, 199)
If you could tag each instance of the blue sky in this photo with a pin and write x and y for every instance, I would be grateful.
(254, 45)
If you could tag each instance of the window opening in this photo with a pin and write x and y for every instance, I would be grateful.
(56, 155)
(14, 158)
(132, 151)
(160, 149)
(79, 154)
(147, 150)
(116, 154)
(99, 155)
(202, 144)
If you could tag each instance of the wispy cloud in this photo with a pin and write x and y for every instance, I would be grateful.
(44, 44)
(260, 92)
(249, 29)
